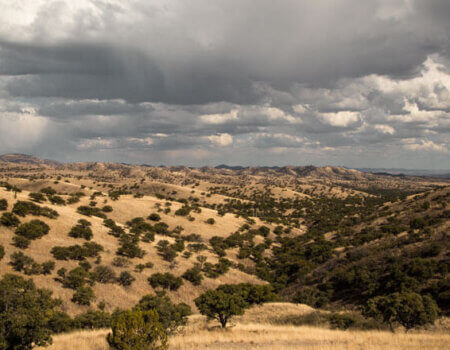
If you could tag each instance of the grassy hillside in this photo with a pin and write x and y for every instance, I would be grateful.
(101, 236)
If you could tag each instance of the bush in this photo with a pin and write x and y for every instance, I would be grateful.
(154, 217)
(81, 230)
(125, 279)
(2, 252)
(23, 208)
(141, 267)
(172, 316)
(76, 278)
(9, 220)
(311, 296)
(58, 200)
(48, 191)
(129, 247)
(183, 211)
(83, 296)
(220, 306)
(92, 320)
(166, 251)
(137, 330)
(60, 322)
(121, 262)
(165, 281)
(251, 293)
(107, 209)
(161, 228)
(210, 221)
(193, 275)
(409, 309)
(215, 270)
(21, 242)
(3, 204)
(25, 313)
(103, 274)
(77, 252)
(24, 263)
(91, 211)
(33, 230)
(264, 231)
(48, 267)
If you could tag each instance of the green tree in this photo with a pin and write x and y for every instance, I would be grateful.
(137, 330)
(83, 295)
(193, 275)
(165, 281)
(3, 204)
(251, 293)
(409, 309)
(125, 279)
(172, 316)
(9, 220)
(221, 306)
(25, 313)
(33, 229)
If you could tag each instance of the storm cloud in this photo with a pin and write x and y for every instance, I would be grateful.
(356, 83)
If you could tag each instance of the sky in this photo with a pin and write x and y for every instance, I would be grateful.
(241, 82)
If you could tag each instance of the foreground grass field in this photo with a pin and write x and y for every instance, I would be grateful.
(260, 328)
(265, 336)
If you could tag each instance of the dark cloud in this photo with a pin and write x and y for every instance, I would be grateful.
(233, 80)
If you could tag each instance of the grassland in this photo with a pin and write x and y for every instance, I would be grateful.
(258, 329)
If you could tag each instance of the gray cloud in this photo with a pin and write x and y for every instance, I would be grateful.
(227, 81)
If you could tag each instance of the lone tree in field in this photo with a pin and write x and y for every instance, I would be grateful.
(25, 313)
(221, 306)
(409, 309)
(137, 330)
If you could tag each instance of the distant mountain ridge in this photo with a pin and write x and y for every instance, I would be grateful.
(297, 171)
(20, 158)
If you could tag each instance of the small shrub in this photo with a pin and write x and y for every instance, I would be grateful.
(84, 295)
(165, 281)
(34, 229)
(37, 197)
(125, 279)
(3, 204)
(91, 211)
(137, 330)
(58, 200)
(154, 217)
(107, 209)
(121, 262)
(210, 221)
(172, 316)
(141, 267)
(81, 230)
(193, 275)
(9, 220)
(21, 242)
(103, 274)
(92, 320)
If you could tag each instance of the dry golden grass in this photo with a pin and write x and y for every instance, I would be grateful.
(271, 337)
(257, 330)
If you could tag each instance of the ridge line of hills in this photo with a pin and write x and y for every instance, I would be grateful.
(300, 171)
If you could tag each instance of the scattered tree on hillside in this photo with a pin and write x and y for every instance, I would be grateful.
(221, 306)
